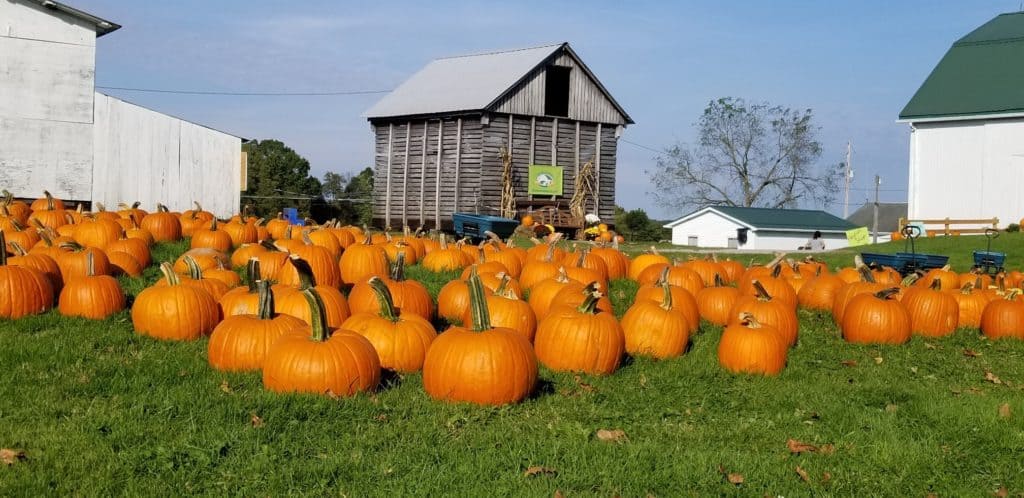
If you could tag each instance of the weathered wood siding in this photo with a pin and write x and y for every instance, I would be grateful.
(143, 155)
(47, 60)
(586, 100)
(418, 195)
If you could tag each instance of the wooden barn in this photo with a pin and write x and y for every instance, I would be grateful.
(503, 133)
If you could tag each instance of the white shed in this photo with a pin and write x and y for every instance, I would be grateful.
(58, 134)
(967, 128)
(759, 229)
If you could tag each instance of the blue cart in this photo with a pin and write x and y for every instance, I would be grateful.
(906, 262)
(989, 261)
(474, 226)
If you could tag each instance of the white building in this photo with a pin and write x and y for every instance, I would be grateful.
(758, 229)
(967, 128)
(58, 134)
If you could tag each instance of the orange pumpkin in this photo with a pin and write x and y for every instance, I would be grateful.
(657, 330)
(876, 318)
(174, 311)
(747, 346)
(580, 338)
(23, 291)
(715, 303)
(400, 338)
(94, 296)
(241, 341)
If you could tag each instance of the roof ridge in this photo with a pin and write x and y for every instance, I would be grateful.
(496, 52)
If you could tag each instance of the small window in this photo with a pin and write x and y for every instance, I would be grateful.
(691, 240)
(556, 91)
(733, 243)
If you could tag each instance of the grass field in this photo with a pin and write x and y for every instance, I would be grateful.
(98, 410)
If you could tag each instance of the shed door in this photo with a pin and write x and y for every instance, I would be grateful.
(691, 240)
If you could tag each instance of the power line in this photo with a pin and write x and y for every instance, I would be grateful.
(244, 94)
(652, 149)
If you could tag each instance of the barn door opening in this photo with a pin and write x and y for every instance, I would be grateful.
(556, 91)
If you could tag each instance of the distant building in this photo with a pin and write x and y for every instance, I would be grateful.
(58, 134)
(967, 128)
(759, 229)
(889, 214)
(440, 133)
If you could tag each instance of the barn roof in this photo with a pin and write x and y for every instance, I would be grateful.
(471, 82)
(103, 26)
(981, 74)
(795, 220)
(889, 214)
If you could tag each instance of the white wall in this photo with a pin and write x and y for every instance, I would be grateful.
(47, 63)
(143, 155)
(711, 229)
(789, 241)
(967, 169)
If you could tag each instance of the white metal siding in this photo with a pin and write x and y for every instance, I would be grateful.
(790, 241)
(967, 170)
(143, 155)
(20, 19)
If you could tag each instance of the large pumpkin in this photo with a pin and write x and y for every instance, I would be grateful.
(241, 341)
(400, 338)
(211, 237)
(359, 262)
(747, 346)
(23, 291)
(641, 262)
(580, 338)
(480, 364)
(92, 295)
(312, 359)
(1003, 318)
(174, 311)
(933, 313)
(655, 329)
(768, 311)
(876, 318)
(164, 225)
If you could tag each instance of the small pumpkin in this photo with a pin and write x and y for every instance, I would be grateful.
(359, 262)
(241, 341)
(23, 291)
(164, 225)
(409, 296)
(769, 312)
(400, 338)
(659, 330)
(933, 313)
(291, 301)
(1003, 318)
(94, 296)
(876, 318)
(748, 346)
(716, 302)
(174, 311)
(211, 237)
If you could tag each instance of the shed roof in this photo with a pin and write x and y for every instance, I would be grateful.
(889, 214)
(471, 82)
(103, 26)
(981, 74)
(767, 219)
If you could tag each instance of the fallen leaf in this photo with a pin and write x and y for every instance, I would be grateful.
(931, 495)
(890, 408)
(913, 370)
(224, 386)
(991, 377)
(733, 477)
(1002, 492)
(848, 363)
(612, 435)
(535, 470)
(383, 417)
(827, 449)
(558, 494)
(826, 477)
(798, 447)
(1004, 410)
(643, 380)
(256, 421)
(970, 353)
(10, 457)
(929, 345)
(878, 360)
(583, 385)
(803, 474)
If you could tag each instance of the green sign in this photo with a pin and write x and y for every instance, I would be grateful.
(858, 237)
(545, 180)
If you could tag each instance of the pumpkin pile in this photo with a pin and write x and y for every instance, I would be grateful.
(327, 309)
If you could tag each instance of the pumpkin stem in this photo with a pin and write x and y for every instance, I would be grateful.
(252, 273)
(16, 248)
(967, 288)
(887, 293)
(910, 279)
(384, 299)
(194, 271)
(306, 278)
(90, 264)
(160, 208)
(865, 274)
(398, 272)
(3, 249)
(317, 313)
(663, 277)
(762, 293)
(49, 200)
(936, 285)
(71, 246)
(718, 280)
(666, 297)
(443, 241)
(1012, 295)
(503, 284)
(748, 320)
(580, 258)
(776, 270)
(265, 306)
(478, 303)
(978, 282)
(589, 305)
(168, 271)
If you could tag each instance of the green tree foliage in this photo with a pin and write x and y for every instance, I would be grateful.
(354, 202)
(636, 226)
(747, 155)
(278, 178)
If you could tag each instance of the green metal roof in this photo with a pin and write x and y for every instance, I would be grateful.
(981, 74)
(786, 219)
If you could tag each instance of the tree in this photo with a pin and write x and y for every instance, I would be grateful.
(278, 178)
(636, 226)
(747, 155)
(333, 186)
(358, 206)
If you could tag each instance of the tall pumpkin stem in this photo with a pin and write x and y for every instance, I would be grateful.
(3, 249)
(384, 299)
(936, 285)
(503, 284)
(749, 321)
(762, 293)
(481, 315)
(398, 272)
(169, 275)
(318, 315)
(666, 299)
(589, 305)
(252, 273)
(888, 293)
(49, 200)
(265, 305)
(663, 277)
(194, 271)
(90, 264)
(306, 278)
(718, 280)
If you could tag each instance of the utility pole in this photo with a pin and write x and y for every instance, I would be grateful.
(874, 227)
(847, 176)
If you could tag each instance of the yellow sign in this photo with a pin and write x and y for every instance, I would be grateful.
(858, 236)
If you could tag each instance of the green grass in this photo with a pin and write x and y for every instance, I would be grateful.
(99, 411)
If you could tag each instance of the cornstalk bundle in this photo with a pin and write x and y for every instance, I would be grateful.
(508, 198)
(584, 190)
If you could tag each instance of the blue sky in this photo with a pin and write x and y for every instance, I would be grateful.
(854, 63)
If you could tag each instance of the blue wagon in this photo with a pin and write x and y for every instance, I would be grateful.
(474, 226)
(988, 260)
(907, 262)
